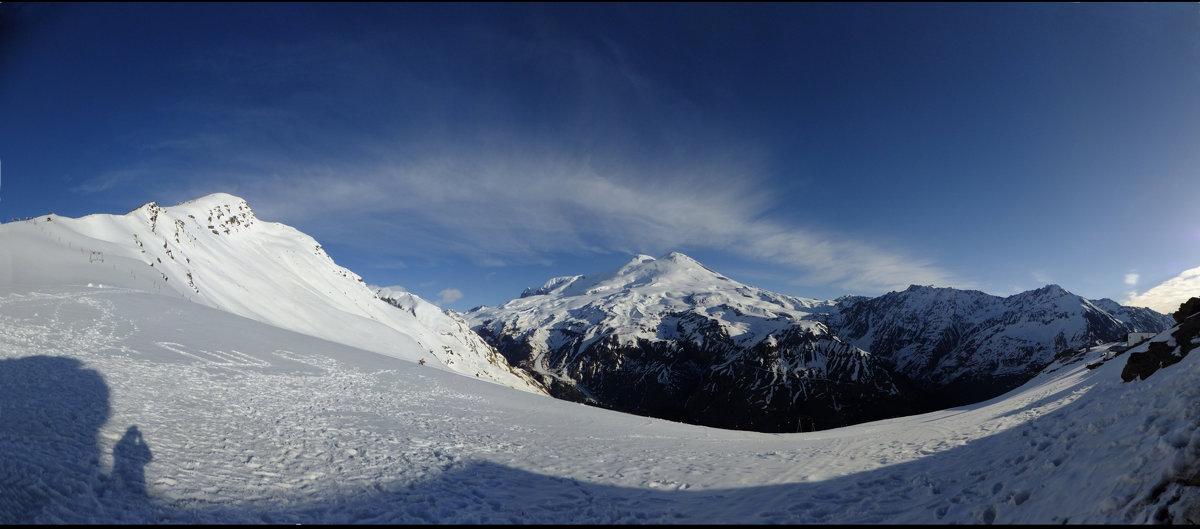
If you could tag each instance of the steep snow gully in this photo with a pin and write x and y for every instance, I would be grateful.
(120, 404)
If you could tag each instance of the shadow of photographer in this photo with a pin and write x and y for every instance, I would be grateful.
(130, 456)
(51, 412)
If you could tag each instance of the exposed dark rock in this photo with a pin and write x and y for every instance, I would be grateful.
(1142, 365)
(1187, 309)
(1186, 335)
(1159, 354)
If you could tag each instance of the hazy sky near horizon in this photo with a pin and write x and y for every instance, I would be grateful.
(467, 151)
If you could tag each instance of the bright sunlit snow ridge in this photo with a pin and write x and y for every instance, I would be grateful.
(215, 252)
(271, 386)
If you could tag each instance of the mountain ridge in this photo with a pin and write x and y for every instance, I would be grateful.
(214, 251)
(672, 329)
(939, 335)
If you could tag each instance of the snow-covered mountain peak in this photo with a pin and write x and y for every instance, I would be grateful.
(671, 274)
(666, 336)
(553, 284)
(1050, 291)
(671, 283)
(210, 202)
(932, 291)
(679, 257)
(672, 267)
(219, 213)
(1050, 295)
(215, 252)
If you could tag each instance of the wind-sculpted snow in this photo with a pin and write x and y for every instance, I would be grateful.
(121, 406)
(215, 252)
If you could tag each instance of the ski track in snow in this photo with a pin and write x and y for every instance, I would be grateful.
(281, 432)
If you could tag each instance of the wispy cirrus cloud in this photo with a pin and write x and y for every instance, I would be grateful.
(106, 181)
(1131, 279)
(522, 206)
(448, 296)
(500, 170)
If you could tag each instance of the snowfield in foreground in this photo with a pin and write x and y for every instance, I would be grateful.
(122, 406)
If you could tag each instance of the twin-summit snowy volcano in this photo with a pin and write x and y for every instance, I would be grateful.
(670, 338)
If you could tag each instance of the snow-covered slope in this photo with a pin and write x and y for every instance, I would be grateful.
(670, 338)
(215, 252)
(966, 345)
(119, 406)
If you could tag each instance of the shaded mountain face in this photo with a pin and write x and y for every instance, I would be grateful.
(670, 338)
(962, 346)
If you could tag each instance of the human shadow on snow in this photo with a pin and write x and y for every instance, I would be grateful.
(51, 411)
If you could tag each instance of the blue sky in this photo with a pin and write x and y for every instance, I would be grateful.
(467, 151)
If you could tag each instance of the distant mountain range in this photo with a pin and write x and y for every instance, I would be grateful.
(664, 337)
(962, 346)
(671, 338)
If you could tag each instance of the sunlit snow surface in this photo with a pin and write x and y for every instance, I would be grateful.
(247, 423)
(214, 251)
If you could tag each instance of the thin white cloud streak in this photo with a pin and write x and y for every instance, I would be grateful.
(446, 185)
(1168, 295)
(449, 295)
(1131, 279)
(106, 181)
(1041, 278)
(524, 208)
